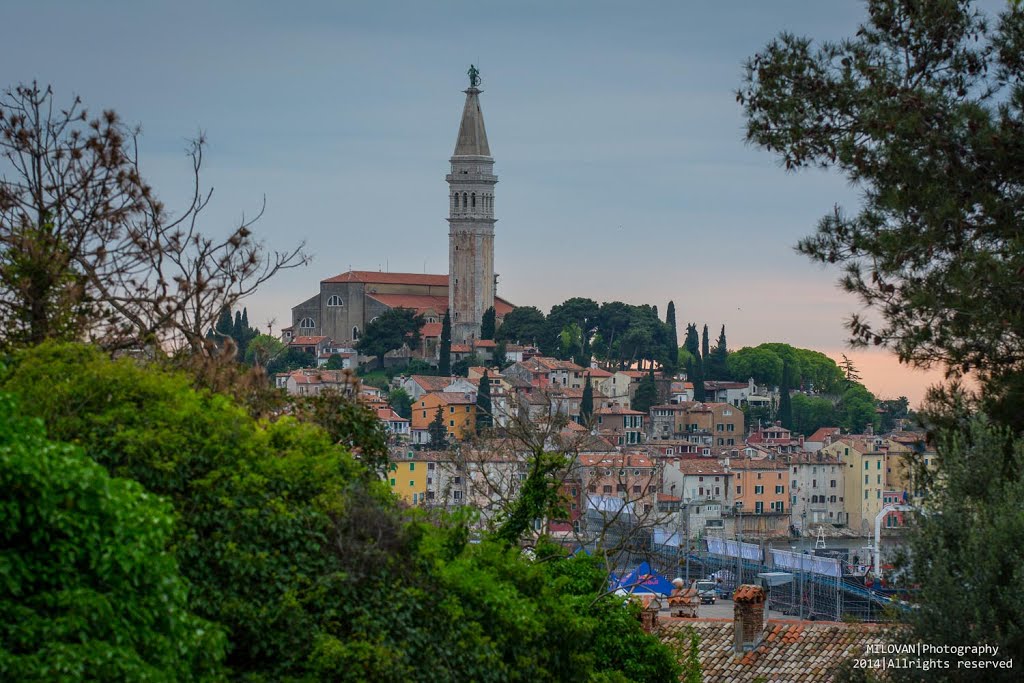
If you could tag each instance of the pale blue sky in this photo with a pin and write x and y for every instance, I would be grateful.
(617, 140)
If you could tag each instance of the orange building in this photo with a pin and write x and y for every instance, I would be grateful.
(459, 411)
(759, 486)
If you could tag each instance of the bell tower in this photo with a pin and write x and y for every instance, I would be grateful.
(471, 220)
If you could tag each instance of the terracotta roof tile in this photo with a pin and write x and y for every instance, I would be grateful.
(371, 277)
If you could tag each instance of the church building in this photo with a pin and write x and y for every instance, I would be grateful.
(348, 302)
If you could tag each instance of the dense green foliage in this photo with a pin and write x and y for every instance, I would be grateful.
(487, 324)
(718, 362)
(587, 402)
(484, 417)
(390, 331)
(966, 553)
(444, 362)
(298, 551)
(646, 394)
(401, 402)
(812, 370)
(785, 400)
(523, 325)
(89, 590)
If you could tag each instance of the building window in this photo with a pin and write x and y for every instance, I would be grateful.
(758, 490)
(457, 495)
(412, 467)
(335, 300)
(758, 507)
(355, 333)
(780, 489)
(607, 488)
(307, 324)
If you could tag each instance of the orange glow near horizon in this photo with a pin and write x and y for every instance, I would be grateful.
(887, 378)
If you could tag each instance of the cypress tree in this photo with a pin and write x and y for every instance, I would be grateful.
(487, 324)
(705, 349)
(444, 362)
(587, 403)
(224, 324)
(785, 404)
(717, 366)
(437, 429)
(673, 336)
(483, 403)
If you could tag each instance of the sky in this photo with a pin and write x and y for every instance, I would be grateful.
(618, 143)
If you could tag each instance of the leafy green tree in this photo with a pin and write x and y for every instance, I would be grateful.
(437, 429)
(857, 409)
(646, 394)
(263, 349)
(965, 552)
(524, 325)
(91, 591)
(673, 335)
(785, 400)
(763, 365)
(292, 358)
(579, 311)
(335, 362)
(400, 402)
(921, 111)
(487, 323)
(812, 412)
(893, 411)
(587, 402)
(301, 554)
(391, 330)
(570, 342)
(444, 362)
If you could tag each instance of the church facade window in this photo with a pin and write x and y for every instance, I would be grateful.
(335, 300)
(307, 324)
(355, 332)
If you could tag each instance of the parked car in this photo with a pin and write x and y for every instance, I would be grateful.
(707, 590)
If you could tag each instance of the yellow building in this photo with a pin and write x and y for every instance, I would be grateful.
(458, 411)
(864, 458)
(408, 477)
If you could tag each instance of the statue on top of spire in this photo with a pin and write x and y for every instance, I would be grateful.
(474, 76)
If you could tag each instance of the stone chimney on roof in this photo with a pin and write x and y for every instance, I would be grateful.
(748, 617)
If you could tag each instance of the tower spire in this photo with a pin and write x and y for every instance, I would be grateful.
(472, 140)
(471, 220)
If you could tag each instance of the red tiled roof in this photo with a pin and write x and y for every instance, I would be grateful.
(614, 460)
(598, 373)
(461, 348)
(617, 410)
(421, 303)
(823, 433)
(485, 343)
(306, 341)
(703, 466)
(389, 415)
(378, 278)
(795, 652)
(668, 498)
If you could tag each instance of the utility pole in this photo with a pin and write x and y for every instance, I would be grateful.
(803, 524)
(686, 541)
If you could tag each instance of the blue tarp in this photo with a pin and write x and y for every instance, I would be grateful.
(644, 580)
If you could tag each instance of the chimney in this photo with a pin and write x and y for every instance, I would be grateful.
(748, 618)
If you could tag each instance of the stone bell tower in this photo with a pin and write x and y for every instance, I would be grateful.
(471, 220)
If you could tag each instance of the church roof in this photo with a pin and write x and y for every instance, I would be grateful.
(472, 140)
(422, 303)
(379, 278)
